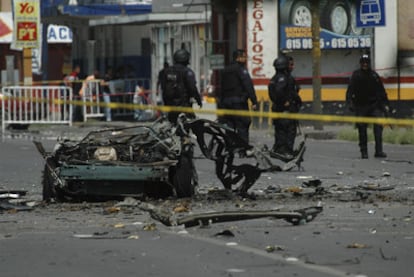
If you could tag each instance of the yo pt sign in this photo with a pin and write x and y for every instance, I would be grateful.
(26, 23)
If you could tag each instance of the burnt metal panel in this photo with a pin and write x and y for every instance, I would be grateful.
(147, 172)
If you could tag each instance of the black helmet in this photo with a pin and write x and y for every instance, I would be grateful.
(364, 58)
(281, 63)
(239, 55)
(182, 56)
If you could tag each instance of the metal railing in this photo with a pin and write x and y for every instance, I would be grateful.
(25, 105)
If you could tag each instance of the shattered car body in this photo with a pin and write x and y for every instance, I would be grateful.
(151, 159)
(145, 159)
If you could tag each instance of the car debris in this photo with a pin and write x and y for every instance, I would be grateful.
(152, 159)
(376, 187)
(297, 217)
(11, 200)
(6, 205)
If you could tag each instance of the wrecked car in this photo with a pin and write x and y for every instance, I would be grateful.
(153, 159)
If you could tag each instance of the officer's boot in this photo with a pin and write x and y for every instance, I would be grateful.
(379, 153)
(364, 153)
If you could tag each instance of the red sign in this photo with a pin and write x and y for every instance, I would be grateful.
(4, 29)
(27, 31)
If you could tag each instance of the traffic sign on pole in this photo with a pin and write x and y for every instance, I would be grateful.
(370, 13)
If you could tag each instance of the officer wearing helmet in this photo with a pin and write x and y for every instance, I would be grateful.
(284, 94)
(236, 89)
(179, 85)
(366, 96)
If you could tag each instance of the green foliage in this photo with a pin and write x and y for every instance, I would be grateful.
(396, 135)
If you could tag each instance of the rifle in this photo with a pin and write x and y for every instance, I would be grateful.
(389, 113)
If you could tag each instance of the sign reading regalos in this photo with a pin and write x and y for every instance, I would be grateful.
(257, 40)
(338, 20)
(261, 37)
(26, 31)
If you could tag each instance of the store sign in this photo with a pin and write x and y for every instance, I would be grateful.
(55, 33)
(339, 28)
(26, 30)
(6, 29)
(262, 37)
(59, 34)
(216, 61)
(296, 38)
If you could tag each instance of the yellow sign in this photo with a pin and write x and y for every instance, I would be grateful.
(27, 30)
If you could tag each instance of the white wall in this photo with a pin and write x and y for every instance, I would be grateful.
(386, 42)
(131, 39)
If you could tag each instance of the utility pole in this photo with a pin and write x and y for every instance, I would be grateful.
(206, 38)
(316, 63)
(27, 66)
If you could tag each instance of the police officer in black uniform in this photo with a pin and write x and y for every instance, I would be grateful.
(284, 93)
(366, 96)
(236, 89)
(185, 85)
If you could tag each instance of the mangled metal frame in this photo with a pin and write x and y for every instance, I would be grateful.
(221, 144)
(296, 217)
(152, 159)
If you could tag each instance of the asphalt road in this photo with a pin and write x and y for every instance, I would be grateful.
(361, 231)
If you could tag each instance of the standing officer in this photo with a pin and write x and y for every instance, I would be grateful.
(161, 74)
(179, 85)
(284, 93)
(236, 89)
(367, 97)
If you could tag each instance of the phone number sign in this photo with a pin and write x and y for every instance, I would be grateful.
(26, 23)
(300, 38)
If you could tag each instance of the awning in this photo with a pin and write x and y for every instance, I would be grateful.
(148, 18)
(86, 9)
(105, 9)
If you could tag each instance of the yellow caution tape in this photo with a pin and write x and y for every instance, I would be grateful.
(224, 112)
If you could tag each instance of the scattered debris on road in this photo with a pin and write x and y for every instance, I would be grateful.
(11, 200)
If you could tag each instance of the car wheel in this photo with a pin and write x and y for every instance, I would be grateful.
(185, 177)
(300, 14)
(336, 17)
(49, 191)
(354, 29)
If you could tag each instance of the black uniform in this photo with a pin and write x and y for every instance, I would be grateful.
(236, 88)
(184, 89)
(284, 93)
(367, 97)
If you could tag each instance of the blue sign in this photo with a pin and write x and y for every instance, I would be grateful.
(338, 25)
(370, 13)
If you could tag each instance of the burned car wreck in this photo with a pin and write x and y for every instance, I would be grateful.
(153, 159)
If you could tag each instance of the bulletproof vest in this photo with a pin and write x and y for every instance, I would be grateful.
(367, 88)
(174, 86)
(231, 81)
